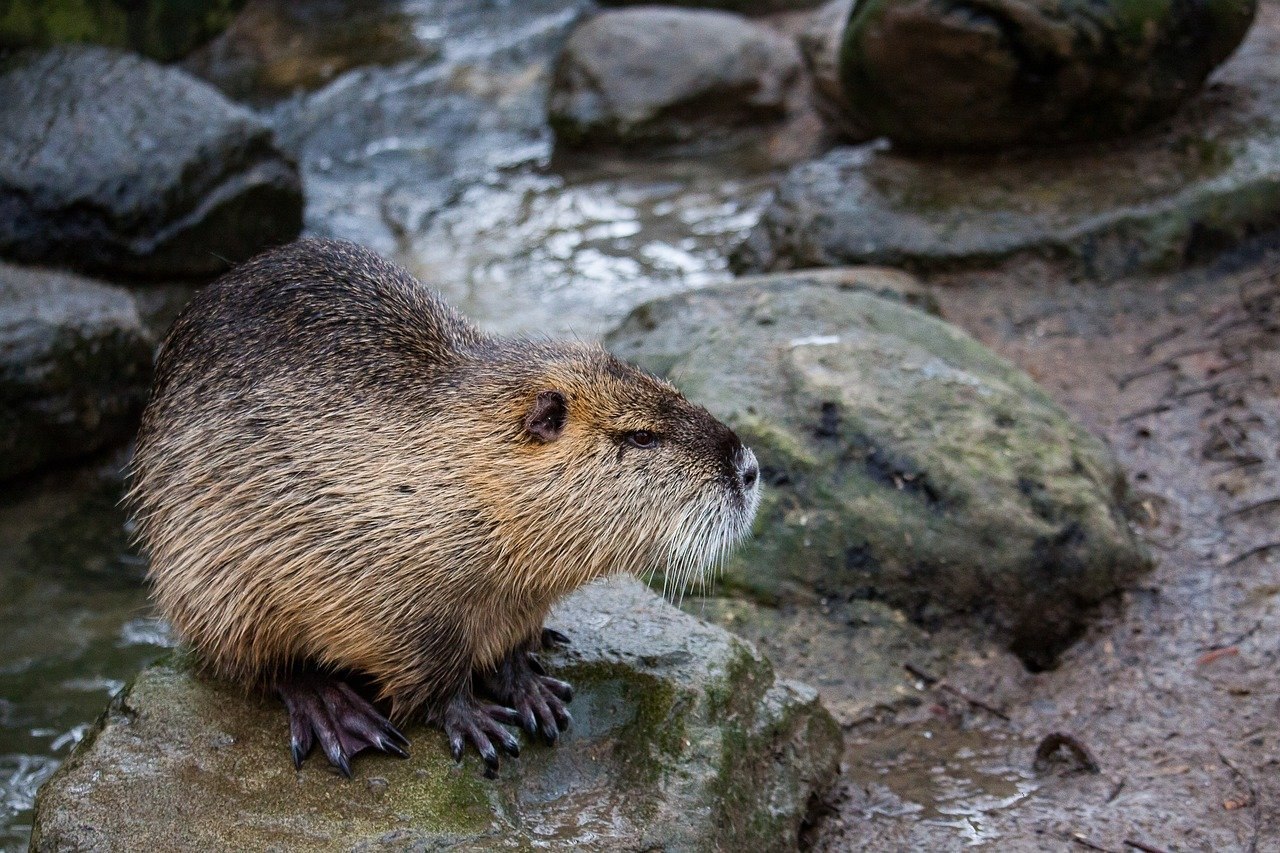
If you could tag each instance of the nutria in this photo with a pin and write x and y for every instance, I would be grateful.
(345, 487)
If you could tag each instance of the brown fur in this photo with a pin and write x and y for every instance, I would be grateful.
(336, 470)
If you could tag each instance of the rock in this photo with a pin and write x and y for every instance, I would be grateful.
(742, 7)
(938, 75)
(114, 164)
(902, 461)
(277, 47)
(682, 740)
(161, 29)
(75, 366)
(1169, 196)
(819, 43)
(654, 76)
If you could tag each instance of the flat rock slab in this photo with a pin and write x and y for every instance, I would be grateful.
(682, 740)
(902, 460)
(75, 366)
(115, 165)
(1201, 181)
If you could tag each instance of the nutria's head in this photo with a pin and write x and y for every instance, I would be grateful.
(610, 469)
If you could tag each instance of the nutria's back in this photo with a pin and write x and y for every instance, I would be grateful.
(336, 468)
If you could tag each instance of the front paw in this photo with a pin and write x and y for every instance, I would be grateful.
(481, 723)
(539, 700)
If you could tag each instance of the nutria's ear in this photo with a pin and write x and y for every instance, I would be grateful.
(545, 420)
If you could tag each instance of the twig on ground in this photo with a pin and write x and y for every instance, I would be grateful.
(1253, 797)
(1145, 848)
(1079, 838)
(934, 681)
(1211, 656)
(1250, 507)
(1252, 552)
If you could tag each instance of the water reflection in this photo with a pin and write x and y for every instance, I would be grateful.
(74, 626)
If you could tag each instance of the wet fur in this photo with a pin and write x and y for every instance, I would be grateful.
(335, 471)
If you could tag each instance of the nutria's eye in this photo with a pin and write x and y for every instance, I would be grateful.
(643, 439)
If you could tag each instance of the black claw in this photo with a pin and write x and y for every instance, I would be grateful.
(509, 743)
(552, 637)
(536, 665)
(298, 754)
(489, 754)
(530, 721)
(456, 745)
(391, 748)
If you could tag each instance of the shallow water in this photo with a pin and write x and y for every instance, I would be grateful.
(74, 626)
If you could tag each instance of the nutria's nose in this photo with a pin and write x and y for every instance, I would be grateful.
(748, 470)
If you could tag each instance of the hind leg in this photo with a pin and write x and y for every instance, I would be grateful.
(326, 709)
(520, 682)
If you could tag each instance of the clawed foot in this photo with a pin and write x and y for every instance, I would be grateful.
(468, 719)
(329, 711)
(540, 701)
(551, 638)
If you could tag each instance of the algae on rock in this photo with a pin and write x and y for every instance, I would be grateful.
(901, 459)
(682, 740)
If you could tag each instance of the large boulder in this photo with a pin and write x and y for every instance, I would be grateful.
(75, 365)
(901, 460)
(111, 163)
(663, 76)
(944, 75)
(161, 29)
(1202, 181)
(682, 740)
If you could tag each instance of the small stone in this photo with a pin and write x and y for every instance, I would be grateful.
(938, 75)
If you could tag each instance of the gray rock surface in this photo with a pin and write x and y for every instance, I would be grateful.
(1201, 182)
(682, 740)
(75, 365)
(902, 460)
(652, 75)
(111, 163)
(948, 76)
(161, 29)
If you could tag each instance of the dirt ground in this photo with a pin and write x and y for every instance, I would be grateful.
(1172, 693)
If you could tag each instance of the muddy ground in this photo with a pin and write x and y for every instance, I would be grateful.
(1173, 692)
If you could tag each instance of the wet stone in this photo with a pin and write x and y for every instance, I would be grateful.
(656, 76)
(682, 739)
(1176, 193)
(902, 461)
(113, 164)
(75, 365)
(949, 75)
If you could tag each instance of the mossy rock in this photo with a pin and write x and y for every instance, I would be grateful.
(902, 460)
(160, 29)
(682, 740)
(1177, 193)
(947, 75)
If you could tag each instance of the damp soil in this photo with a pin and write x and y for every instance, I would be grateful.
(1169, 705)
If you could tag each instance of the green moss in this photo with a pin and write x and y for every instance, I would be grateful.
(161, 29)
